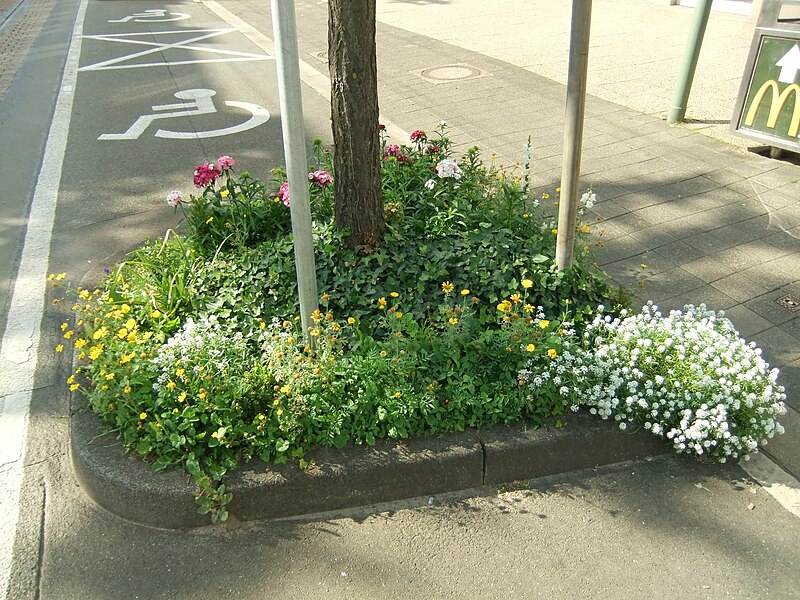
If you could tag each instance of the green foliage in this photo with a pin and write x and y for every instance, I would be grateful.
(192, 348)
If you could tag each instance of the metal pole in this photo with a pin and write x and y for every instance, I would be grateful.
(573, 132)
(681, 97)
(294, 148)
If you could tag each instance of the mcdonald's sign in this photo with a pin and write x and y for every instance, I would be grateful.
(768, 107)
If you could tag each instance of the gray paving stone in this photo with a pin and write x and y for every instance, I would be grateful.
(747, 322)
(739, 287)
(708, 268)
(706, 294)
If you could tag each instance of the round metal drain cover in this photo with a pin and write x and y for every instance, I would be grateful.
(790, 303)
(451, 72)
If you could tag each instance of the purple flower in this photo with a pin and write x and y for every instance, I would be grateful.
(205, 175)
(174, 198)
(320, 178)
(106, 270)
(283, 194)
(225, 162)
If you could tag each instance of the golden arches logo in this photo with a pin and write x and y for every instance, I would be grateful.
(777, 102)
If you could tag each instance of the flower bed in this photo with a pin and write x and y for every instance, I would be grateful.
(192, 347)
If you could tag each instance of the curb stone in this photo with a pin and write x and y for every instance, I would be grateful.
(349, 477)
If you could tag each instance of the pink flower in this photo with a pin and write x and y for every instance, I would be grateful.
(433, 148)
(320, 178)
(418, 135)
(392, 150)
(225, 162)
(205, 174)
(283, 193)
(174, 198)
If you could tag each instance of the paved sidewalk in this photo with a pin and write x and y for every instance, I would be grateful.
(712, 222)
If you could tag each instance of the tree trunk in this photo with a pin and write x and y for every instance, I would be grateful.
(354, 113)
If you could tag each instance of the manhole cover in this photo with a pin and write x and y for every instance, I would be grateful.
(790, 303)
(448, 73)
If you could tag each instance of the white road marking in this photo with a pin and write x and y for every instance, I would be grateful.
(159, 47)
(19, 350)
(317, 81)
(201, 104)
(151, 16)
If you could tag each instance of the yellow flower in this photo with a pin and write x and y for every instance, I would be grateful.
(316, 316)
(180, 372)
(127, 358)
(528, 308)
(202, 394)
(74, 387)
(182, 397)
(51, 277)
(398, 394)
(60, 276)
(156, 314)
(453, 320)
(69, 334)
(132, 336)
(130, 324)
(325, 297)
(383, 353)
(530, 347)
(64, 326)
(110, 376)
(143, 416)
(171, 385)
(504, 306)
(545, 195)
(290, 340)
(554, 231)
(315, 332)
(552, 353)
(585, 228)
(544, 323)
(465, 292)
(286, 390)
(558, 190)
(335, 326)
(224, 193)
(516, 298)
(644, 266)
(127, 389)
(399, 315)
(381, 302)
(122, 333)
(527, 283)
(60, 348)
(84, 294)
(351, 321)
(394, 295)
(209, 219)
(279, 412)
(447, 287)
(125, 309)
(100, 333)
(71, 378)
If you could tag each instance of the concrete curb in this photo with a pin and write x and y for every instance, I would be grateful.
(352, 476)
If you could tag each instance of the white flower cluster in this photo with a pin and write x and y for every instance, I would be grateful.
(202, 345)
(448, 168)
(687, 377)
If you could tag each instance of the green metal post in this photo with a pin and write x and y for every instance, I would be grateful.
(680, 99)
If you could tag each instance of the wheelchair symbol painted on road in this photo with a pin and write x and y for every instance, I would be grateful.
(201, 104)
(152, 16)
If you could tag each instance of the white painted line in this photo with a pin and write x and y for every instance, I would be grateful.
(317, 81)
(19, 350)
(775, 481)
(158, 48)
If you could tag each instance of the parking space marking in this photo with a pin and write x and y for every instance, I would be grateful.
(148, 17)
(201, 104)
(189, 44)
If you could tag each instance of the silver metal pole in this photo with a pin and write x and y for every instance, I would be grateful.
(294, 148)
(573, 131)
(680, 99)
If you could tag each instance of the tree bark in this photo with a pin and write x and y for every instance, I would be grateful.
(354, 114)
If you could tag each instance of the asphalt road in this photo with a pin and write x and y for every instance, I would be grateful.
(663, 527)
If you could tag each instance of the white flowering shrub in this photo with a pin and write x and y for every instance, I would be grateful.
(687, 377)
